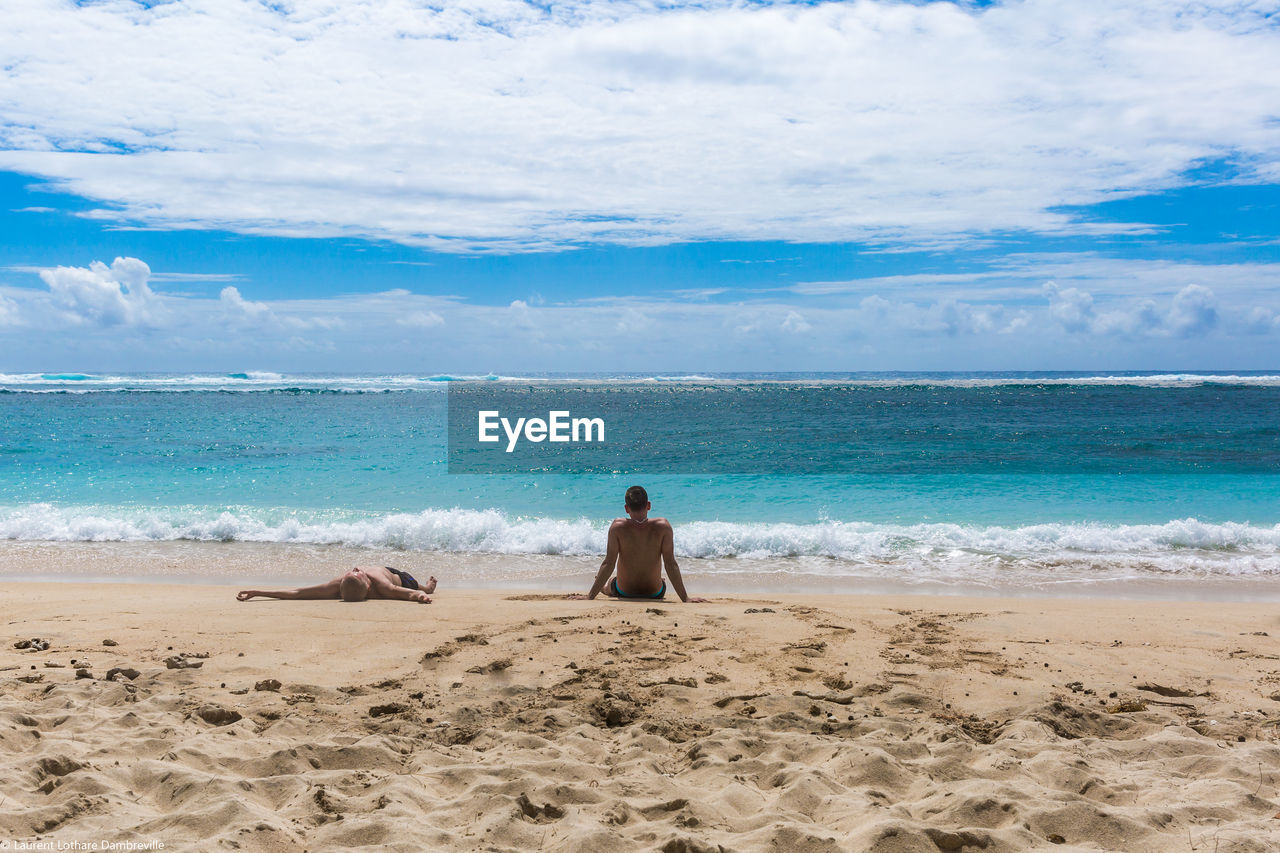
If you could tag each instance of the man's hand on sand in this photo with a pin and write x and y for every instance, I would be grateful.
(244, 595)
(420, 597)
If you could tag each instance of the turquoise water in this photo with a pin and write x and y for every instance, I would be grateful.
(940, 475)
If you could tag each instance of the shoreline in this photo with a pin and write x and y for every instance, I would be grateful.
(232, 564)
(518, 720)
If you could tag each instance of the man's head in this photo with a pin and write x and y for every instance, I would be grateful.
(637, 502)
(354, 586)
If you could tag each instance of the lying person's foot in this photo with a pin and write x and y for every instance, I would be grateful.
(430, 586)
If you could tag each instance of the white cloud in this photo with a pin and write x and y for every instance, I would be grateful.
(521, 315)
(239, 309)
(1194, 311)
(518, 126)
(1143, 316)
(8, 312)
(1118, 276)
(194, 276)
(875, 305)
(950, 317)
(382, 331)
(632, 322)
(1019, 321)
(1071, 307)
(102, 295)
(915, 282)
(795, 322)
(698, 293)
(1014, 275)
(421, 320)
(241, 313)
(1262, 320)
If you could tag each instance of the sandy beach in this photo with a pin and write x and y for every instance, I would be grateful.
(174, 715)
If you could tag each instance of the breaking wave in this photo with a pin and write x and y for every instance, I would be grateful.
(1177, 546)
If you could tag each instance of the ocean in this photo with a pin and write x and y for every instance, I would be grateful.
(1008, 483)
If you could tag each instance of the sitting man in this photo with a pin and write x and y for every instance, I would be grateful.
(640, 547)
(356, 585)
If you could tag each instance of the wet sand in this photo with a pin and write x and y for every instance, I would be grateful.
(265, 564)
(495, 720)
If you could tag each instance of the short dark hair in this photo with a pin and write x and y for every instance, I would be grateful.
(353, 588)
(637, 497)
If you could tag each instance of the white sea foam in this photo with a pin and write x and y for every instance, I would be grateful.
(255, 380)
(1185, 546)
(252, 376)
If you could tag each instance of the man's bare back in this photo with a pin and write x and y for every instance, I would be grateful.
(640, 547)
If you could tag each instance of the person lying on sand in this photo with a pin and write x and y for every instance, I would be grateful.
(640, 546)
(358, 584)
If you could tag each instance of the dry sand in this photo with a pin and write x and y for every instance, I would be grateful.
(499, 721)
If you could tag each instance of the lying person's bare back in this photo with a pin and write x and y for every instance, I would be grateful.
(358, 584)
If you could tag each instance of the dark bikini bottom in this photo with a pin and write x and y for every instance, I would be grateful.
(617, 590)
(406, 580)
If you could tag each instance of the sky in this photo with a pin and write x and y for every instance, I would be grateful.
(401, 187)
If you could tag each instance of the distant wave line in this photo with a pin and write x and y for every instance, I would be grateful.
(250, 381)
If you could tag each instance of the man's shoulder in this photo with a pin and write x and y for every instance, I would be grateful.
(660, 522)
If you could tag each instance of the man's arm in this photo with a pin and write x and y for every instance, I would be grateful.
(607, 564)
(328, 589)
(672, 567)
